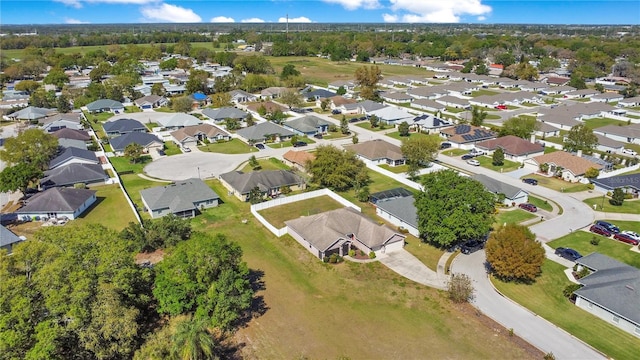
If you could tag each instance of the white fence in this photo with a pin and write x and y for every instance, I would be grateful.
(609, 174)
(398, 177)
(294, 198)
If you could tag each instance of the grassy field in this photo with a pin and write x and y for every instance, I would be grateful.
(234, 146)
(580, 241)
(309, 302)
(111, 209)
(513, 217)
(628, 206)
(600, 122)
(276, 216)
(558, 184)
(396, 135)
(485, 161)
(545, 298)
(266, 164)
(395, 169)
(539, 203)
(427, 253)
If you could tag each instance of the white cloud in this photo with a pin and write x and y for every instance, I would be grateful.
(252, 20)
(390, 18)
(355, 4)
(74, 3)
(438, 11)
(78, 3)
(170, 13)
(74, 21)
(300, 19)
(482, 18)
(222, 19)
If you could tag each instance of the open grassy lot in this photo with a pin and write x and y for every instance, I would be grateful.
(234, 146)
(600, 122)
(111, 209)
(396, 135)
(122, 164)
(539, 203)
(266, 164)
(367, 125)
(580, 241)
(427, 253)
(307, 299)
(545, 298)
(558, 184)
(512, 217)
(485, 161)
(628, 206)
(276, 216)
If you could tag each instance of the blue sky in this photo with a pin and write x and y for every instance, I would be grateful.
(322, 11)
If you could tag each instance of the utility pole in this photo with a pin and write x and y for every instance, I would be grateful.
(287, 28)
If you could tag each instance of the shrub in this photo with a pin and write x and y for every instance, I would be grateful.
(460, 288)
(325, 259)
(402, 230)
(549, 356)
(568, 291)
(582, 273)
(372, 255)
(594, 240)
(617, 198)
(352, 253)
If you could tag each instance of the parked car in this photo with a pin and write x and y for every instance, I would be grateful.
(600, 230)
(445, 145)
(629, 152)
(186, 149)
(318, 136)
(501, 107)
(160, 152)
(299, 144)
(473, 162)
(353, 120)
(634, 235)
(477, 152)
(471, 246)
(626, 239)
(568, 253)
(260, 146)
(467, 157)
(530, 181)
(528, 207)
(609, 226)
(336, 111)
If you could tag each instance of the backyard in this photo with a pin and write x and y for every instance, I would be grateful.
(277, 215)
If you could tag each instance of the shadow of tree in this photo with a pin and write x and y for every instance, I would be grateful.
(258, 305)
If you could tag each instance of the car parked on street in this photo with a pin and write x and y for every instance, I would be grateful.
(467, 157)
(568, 253)
(528, 207)
(299, 144)
(600, 230)
(530, 181)
(607, 225)
(473, 162)
(501, 107)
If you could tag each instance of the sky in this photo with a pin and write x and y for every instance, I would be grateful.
(320, 11)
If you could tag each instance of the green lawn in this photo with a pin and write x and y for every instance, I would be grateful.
(111, 209)
(267, 164)
(558, 184)
(485, 161)
(396, 135)
(513, 217)
(395, 169)
(545, 299)
(454, 110)
(170, 148)
(286, 144)
(99, 117)
(483, 92)
(134, 183)
(455, 152)
(493, 117)
(335, 135)
(427, 253)
(122, 164)
(163, 109)
(628, 206)
(18, 53)
(276, 216)
(367, 125)
(539, 203)
(234, 146)
(600, 122)
(549, 149)
(580, 241)
(132, 109)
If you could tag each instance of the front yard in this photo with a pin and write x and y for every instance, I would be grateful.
(581, 241)
(486, 162)
(396, 135)
(266, 164)
(628, 206)
(234, 146)
(367, 125)
(559, 184)
(600, 122)
(512, 217)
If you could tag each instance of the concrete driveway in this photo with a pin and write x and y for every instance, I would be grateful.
(407, 265)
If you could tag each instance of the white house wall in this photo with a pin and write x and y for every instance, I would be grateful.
(607, 316)
(397, 222)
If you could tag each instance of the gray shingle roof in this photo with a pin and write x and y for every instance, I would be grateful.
(67, 133)
(258, 132)
(178, 197)
(610, 183)
(32, 113)
(225, 113)
(104, 104)
(179, 120)
(123, 126)
(7, 237)
(377, 149)
(73, 153)
(497, 187)
(120, 143)
(57, 199)
(402, 208)
(73, 174)
(307, 123)
(244, 182)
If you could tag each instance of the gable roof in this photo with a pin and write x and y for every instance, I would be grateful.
(628, 131)
(179, 120)
(74, 134)
(377, 149)
(511, 145)
(318, 93)
(104, 104)
(389, 194)
(575, 164)
(464, 133)
(7, 237)
(264, 180)
(429, 103)
(498, 187)
(123, 126)
(225, 113)
(32, 113)
(401, 207)
(144, 139)
(298, 157)
(307, 123)
(259, 131)
(430, 121)
(57, 199)
(626, 180)
(270, 106)
(208, 130)
(73, 153)
(179, 196)
(151, 99)
(392, 113)
(73, 174)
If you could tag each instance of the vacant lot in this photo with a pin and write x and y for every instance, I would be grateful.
(276, 216)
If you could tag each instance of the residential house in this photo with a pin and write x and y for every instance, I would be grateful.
(105, 105)
(272, 92)
(337, 230)
(150, 102)
(338, 103)
(73, 155)
(557, 90)
(308, 125)
(630, 102)
(608, 145)
(427, 92)
(629, 183)
(514, 148)
(66, 133)
(509, 98)
(508, 194)
(191, 135)
(8, 239)
(533, 86)
(544, 130)
(57, 202)
(269, 107)
(183, 199)
(496, 69)
(466, 136)
(31, 113)
(298, 159)
(401, 212)
(454, 102)
(607, 97)
(61, 121)
(627, 134)
(270, 183)
(348, 85)
(123, 126)
(366, 107)
(379, 152)
(429, 124)
(241, 96)
(396, 97)
(611, 292)
(147, 141)
(581, 94)
(570, 167)
(263, 132)
(556, 81)
(428, 105)
(392, 115)
(223, 113)
(178, 121)
(316, 94)
(72, 174)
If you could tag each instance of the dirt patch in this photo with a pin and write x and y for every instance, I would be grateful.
(150, 257)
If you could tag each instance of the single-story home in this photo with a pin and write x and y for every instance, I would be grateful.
(429, 124)
(379, 152)
(52, 126)
(454, 102)
(513, 195)
(609, 145)
(627, 134)
(263, 132)
(629, 102)
(581, 94)
(298, 159)
(337, 230)
(151, 101)
(123, 126)
(241, 96)
(105, 105)
(389, 194)
(465, 136)
(272, 92)
(315, 94)
(8, 239)
(191, 135)
(183, 199)
(392, 115)
(269, 106)
(270, 182)
(57, 202)
(147, 141)
(545, 130)
(73, 173)
(557, 90)
(571, 167)
(401, 212)
(611, 292)
(223, 113)
(72, 134)
(607, 97)
(308, 125)
(178, 121)
(396, 97)
(514, 148)
(31, 113)
(73, 156)
(346, 84)
(428, 105)
(629, 183)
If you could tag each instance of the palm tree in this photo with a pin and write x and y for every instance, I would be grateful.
(193, 341)
(477, 116)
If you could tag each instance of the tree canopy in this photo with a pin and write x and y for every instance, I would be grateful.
(477, 116)
(337, 169)
(580, 137)
(453, 208)
(519, 126)
(32, 146)
(367, 77)
(419, 151)
(514, 253)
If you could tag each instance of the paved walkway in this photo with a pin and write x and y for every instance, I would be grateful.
(407, 265)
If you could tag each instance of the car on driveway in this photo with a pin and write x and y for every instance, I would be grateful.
(477, 152)
(473, 162)
(629, 152)
(626, 239)
(445, 145)
(609, 226)
(260, 146)
(501, 107)
(186, 149)
(471, 246)
(568, 253)
(530, 181)
(318, 136)
(528, 207)
(467, 157)
(632, 234)
(336, 111)
(299, 144)
(600, 230)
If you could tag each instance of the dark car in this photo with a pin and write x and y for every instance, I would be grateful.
(467, 156)
(600, 230)
(336, 112)
(568, 253)
(260, 146)
(352, 120)
(626, 239)
(318, 136)
(299, 143)
(445, 145)
(528, 207)
(609, 226)
(530, 181)
(472, 246)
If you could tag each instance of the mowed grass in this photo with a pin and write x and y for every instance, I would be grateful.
(558, 184)
(276, 216)
(367, 125)
(581, 241)
(312, 305)
(19, 53)
(122, 164)
(266, 164)
(545, 298)
(600, 122)
(111, 209)
(540, 204)
(234, 146)
(455, 152)
(396, 135)
(486, 162)
(627, 207)
(427, 253)
(395, 169)
(133, 184)
(513, 217)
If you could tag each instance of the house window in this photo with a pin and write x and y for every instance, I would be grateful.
(637, 330)
(616, 319)
(589, 305)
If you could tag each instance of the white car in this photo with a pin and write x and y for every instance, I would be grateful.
(632, 234)
(473, 162)
(629, 152)
(477, 152)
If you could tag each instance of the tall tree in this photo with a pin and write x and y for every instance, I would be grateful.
(158, 89)
(344, 125)
(197, 82)
(56, 77)
(519, 126)
(498, 157)
(291, 98)
(514, 253)
(182, 104)
(337, 169)
(193, 341)
(32, 147)
(580, 137)
(158, 233)
(419, 151)
(19, 177)
(453, 208)
(367, 77)
(403, 129)
(477, 116)
(289, 70)
(133, 151)
(219, 100)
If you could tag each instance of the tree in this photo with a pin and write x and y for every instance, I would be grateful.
(591, 173)
(255, 196)
(337, 169)
(219, 100)
(477, 116)
(599, 87)
(169, 64)
(249, 120)
(193, 341)
(232, 124)
(31, 147)
(364, 194)
(580, 137)
(617, 198)
(27, 85)
(341, 90)
(182, 104)
(403, 129)
(56, 77)
(289, 70)
(460, 288)
(253, 162)
(197, 82)
(291, 98)
(344, 125)
(526, 71)
(374, 121)
(134, 152)
(100, 71)
(498, 157)
(548, 63)
(519, 126)
(482, 69)
(514, 253)
(354, 139)
(453, 208)
(158, 89)
(255, 64)
(367, 78)
(419, 151)
(158, 233)
(62, 104)
(324, 104)
(19, 177)
(577, 82)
